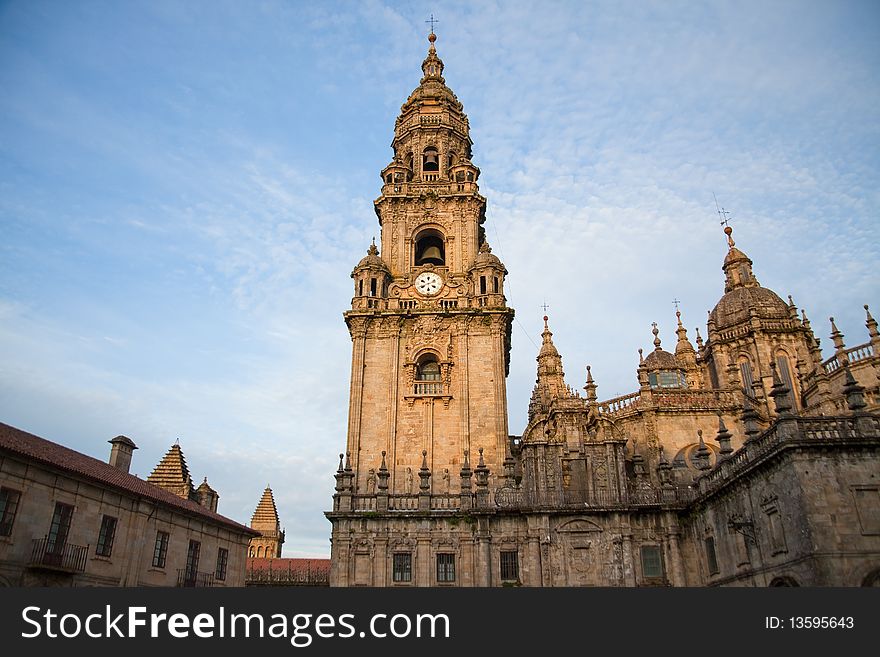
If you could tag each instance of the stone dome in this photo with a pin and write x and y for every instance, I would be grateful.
(733, 308)
(372, 260)
(660, 359)
(486, 257)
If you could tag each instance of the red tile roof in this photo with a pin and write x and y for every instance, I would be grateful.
(27, 445)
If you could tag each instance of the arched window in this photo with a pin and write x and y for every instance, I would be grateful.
(430, 159)
(745, 369)
(428, 370)
(430, 248)
(260, 551)
(784, 370)
(428, 376)
(784, 581)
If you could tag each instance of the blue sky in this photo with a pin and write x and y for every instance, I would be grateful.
(186, 186)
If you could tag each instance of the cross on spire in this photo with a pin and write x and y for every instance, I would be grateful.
(432, 21)
(675, 303)
(545, 307)
(725, 220)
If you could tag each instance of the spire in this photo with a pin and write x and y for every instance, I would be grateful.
(737, 266)
(550, 383)
(792, 309)
(684, 349)
(172, 473)
(699, 339)
(265, 516)
(432, 67)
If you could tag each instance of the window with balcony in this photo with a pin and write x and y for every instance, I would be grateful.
(9, 498)
(192, 563)
(427, 379)
(59, 528)
(106, 535)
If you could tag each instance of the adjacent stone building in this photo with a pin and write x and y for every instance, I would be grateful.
(746, 459)
(67, 519)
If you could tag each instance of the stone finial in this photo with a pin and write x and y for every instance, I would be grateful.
(482, 463)
(348, 461)
(837, 337)
(382, 466)
(590, 388)
(699, 338)
(728, 230)
(641, 357)
(805, 320)
(656, 333)
(871, 325)
(424, 460)
(780, 392)
(792, 309)
(855, 393)
(339, 469)
(702, 454)
(723, 438)
(749, 418)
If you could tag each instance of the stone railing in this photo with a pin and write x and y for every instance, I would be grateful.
(617, 404)
(816, 430)
(518, 498)
(684, 398)
(853, 355)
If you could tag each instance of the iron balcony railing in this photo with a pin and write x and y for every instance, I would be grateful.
(63, 557)
(191, 578)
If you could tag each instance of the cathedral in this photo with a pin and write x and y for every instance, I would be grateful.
(745, 459)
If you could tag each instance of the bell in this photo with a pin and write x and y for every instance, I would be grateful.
(433, 255)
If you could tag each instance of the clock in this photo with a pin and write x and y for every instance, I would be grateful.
(428, 283)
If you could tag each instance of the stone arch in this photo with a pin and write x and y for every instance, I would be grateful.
(783, 580)
(872, 578)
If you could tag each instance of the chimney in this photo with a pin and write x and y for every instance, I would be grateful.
(121, 452)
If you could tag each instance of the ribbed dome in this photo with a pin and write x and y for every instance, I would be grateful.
(660, 359)
(486, 257)
(733, 308)
(372, 260)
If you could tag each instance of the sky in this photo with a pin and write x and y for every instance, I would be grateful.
(185, 188)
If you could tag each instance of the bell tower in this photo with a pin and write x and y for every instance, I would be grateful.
(429, 323)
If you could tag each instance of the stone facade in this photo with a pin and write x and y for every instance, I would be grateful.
(67, 519)
(745, 460)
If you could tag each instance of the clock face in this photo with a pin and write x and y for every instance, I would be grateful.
(428, 283)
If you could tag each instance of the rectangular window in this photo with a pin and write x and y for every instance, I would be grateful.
(222, 560)
(482, 285)
(105, 537)
(445, 567)
(509, 566)
(8, 506)
(160, 551)
(652, 562)
(192, 562)
(711, 558)
(401, 570)
(59, 528)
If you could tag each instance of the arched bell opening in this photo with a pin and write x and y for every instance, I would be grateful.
(430, 248)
